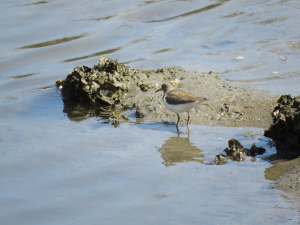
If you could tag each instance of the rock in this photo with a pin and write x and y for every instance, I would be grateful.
(235, 150)
(253, 151)
(110, 85)
(221, 159)
(240, 57)
(285, 132)
(104, 84)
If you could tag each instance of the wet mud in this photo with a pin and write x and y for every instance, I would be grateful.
(110, 86)
(286, 175)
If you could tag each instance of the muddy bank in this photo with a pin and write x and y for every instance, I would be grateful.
(110, 88)
(287, 177)
(229, 106)
(110, 85)
(286, 134)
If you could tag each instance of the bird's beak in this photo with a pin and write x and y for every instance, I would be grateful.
(158, 90)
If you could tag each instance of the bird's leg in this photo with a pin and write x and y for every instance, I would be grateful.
(188, 118)
(177, 121)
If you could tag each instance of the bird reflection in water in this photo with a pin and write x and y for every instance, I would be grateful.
(179, 149)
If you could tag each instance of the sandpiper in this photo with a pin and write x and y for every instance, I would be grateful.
(178, 100)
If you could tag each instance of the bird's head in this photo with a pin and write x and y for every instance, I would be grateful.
(166, 87)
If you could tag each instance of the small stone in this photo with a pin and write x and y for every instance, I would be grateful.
(240, 57)
(175, 82)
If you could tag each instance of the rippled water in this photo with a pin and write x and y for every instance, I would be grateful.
(57, 171)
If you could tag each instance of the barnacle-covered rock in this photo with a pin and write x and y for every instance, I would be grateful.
(114, 118)
(147, 86)
(104, 84)
(285, 132)
(107, 84)
(254, 150)
(221, 159)
(139, 113)
(235, 150)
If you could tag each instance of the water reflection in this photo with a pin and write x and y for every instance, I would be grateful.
(35, 3)
(277, 77)
(54, 42)
(179, 149)
(105, 52)
(79, 111)
(203, 9)
(24, 75)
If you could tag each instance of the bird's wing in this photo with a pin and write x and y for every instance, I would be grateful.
(176, 97)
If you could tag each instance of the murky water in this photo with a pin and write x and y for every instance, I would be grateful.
(57, 171)
(54, 170)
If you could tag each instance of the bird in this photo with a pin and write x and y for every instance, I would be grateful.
(179, 101)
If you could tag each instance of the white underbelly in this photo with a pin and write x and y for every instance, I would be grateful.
(180, 108)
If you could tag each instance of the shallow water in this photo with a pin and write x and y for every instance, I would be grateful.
(54, 170)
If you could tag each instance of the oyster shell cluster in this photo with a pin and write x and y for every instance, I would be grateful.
(285, 132)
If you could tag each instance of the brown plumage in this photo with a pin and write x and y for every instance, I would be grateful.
(178, 100)
(176, 97)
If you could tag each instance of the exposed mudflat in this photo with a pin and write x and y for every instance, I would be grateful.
(227, 105)
(287, 175)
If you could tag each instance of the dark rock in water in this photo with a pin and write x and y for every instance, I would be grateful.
(254, 150)
(237, 152)
(105, 84)
(234, 145)
(103, 87)
(221, 159)
(139, 113)
(286, 130)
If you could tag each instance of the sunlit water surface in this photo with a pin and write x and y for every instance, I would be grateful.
(54, 170)
(57, 171)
